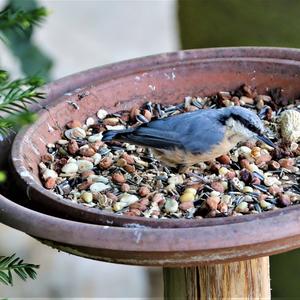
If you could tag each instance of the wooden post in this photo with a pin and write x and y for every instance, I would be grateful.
(249, 279)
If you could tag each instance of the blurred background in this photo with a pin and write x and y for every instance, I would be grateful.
(78, 35)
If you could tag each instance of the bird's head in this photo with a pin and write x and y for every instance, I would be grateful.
(244, 124)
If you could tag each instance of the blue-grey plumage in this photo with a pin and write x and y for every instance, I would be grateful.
(188, 138)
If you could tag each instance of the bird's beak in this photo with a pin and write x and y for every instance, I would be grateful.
(266, 140)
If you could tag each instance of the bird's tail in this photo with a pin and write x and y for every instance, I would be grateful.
(119, 135)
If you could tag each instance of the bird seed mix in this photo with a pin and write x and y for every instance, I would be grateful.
(127, 180)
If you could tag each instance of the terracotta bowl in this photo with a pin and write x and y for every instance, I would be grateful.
(165, 78)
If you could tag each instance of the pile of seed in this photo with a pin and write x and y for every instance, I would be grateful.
(127, 179)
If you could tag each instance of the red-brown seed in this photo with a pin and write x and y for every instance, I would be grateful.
(134, 112)
(230, 175)
(106, 163)
(186, 205)
(286, 162)
(224, 159)
(275, 190)
(245, 163)
(125, 187)
(262, 197)
(144, 191)
(96, 146)
(145, 201)
(74, 124)
(112, 196)
(284, 200)
(245, 176)
(274, 165)
(129, 214)
(263, 159)
(87, 151)
(118, 178)
(136, 211)
(222, 207)
(84, 185)
(125, 117)
(213, 202)
(111, 121)
(215, 167)
(50, 183)
(86, 174)
(130, 168)
(256, 180)
(73, 147)
(138, 205)
(47, 158)
(147, 115)
(121, 162)
(218, 186)
(129, 158)
(158, 197)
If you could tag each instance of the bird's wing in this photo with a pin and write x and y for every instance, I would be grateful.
(195, 132)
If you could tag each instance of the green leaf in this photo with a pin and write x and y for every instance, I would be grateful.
(13, 263)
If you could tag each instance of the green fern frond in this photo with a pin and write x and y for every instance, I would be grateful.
(15, 96)
(9, 264)
(20, 19)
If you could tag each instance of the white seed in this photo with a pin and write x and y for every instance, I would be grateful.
(48, 173)
(190, 190)
(95, 137)
(247, 189)
(99, 187)
(98, 178)
(265, 205)
(101, 114)
(242, 207)
(70, 168)
(226, 199)
(225, 185)
(96, 158)
(75, 133)
(128, 198)
(246, 151)
(125, 200)
(238, 184)
(50, 145)
(62, 142)
(235, 156)
(290, 125)
(215, 194)
(42, 166)
(269, 181)
(171, 206)
(176, 179)
(89, 121)
(117, 127)
(254, 168)
(223, 171)
(87, 197)
(118, 206)
(130, 147)
(84, 165)
(294, 146)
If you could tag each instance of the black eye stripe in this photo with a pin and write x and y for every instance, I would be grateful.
(247, 124)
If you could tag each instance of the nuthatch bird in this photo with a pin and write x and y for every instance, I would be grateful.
(193, 137)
